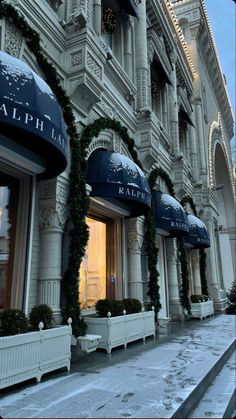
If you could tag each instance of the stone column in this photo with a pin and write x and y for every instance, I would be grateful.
(196, 272)
(165, 110)
(212, 272)
(193, 151)
(97, 16)
(141, 58)
(52, 217)
(176, 309)
(135, 241)
(128, 47)
(200, 133)
(173, 104)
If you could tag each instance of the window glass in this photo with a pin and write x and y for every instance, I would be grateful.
(9, 193)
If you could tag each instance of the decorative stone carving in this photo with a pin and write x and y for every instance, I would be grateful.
(50, 217)
(108, 110)
(105, 140)
(95, 68)
(53, 204)
(76, 58)
(13, 40)
(135, 234)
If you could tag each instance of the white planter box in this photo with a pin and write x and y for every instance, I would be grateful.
(30, 355)
(89, 343)
(120, 330)
(201, 310)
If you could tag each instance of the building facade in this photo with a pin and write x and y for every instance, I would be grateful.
(150, 72)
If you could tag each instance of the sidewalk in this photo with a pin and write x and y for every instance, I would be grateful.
(146, 380)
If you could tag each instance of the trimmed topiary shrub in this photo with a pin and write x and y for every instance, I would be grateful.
(132, 305)
(195, 298)
(117, 307)
(231, 296)
(41, 313)
(13, 322)
(102, 307)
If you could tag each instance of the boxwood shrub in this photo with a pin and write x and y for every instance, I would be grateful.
(116, 307)
(13, 322)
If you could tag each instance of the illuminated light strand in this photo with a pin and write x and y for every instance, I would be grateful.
(180, 34)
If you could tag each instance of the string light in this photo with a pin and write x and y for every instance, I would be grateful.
(108, 21)
(155, 89)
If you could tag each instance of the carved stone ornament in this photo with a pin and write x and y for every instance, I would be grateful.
(13, 40)
(105, 141)
(50, 217)
(134, 245)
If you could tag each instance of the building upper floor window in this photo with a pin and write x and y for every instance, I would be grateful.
(159, 83)
(109, 25)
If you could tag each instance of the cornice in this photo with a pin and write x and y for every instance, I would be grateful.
(160, 17)
(199, 25)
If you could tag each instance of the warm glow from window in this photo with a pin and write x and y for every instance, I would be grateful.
(93, 266)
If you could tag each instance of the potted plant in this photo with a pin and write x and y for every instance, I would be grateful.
(231, 299)
(27, 352)
(120, 322)
(201, 306)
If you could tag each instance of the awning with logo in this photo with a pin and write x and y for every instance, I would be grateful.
(30, 114)
(113, 175)
(170, 216)
(198, 236)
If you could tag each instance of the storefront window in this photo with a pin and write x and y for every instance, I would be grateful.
(9, 193)
(101, 270)
(93, 266)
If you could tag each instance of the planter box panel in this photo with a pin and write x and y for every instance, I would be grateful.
(120, 330)
(18, 355)
(201, 310)
(32, 354)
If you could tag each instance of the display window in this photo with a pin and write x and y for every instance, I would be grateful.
(9, 198)
(102, 268)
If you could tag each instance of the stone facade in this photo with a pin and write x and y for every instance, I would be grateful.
(184, 126)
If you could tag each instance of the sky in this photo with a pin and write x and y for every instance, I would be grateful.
(222, 16)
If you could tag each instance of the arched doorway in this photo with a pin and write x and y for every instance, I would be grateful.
(225, 228)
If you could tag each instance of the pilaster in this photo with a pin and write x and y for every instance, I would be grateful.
(141, 58)
(196, 272)
(175, 307)
(52, 218)
(135, 242)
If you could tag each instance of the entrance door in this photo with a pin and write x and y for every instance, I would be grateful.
(93, 267)
(101, 270)
(9, 190)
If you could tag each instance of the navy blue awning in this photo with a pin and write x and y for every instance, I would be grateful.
(112, 175)
(30, 114)
(198, 236)
(170, 217)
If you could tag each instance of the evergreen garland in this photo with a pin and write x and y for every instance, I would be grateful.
(184, 293)
(202, 263)
(152, 251)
